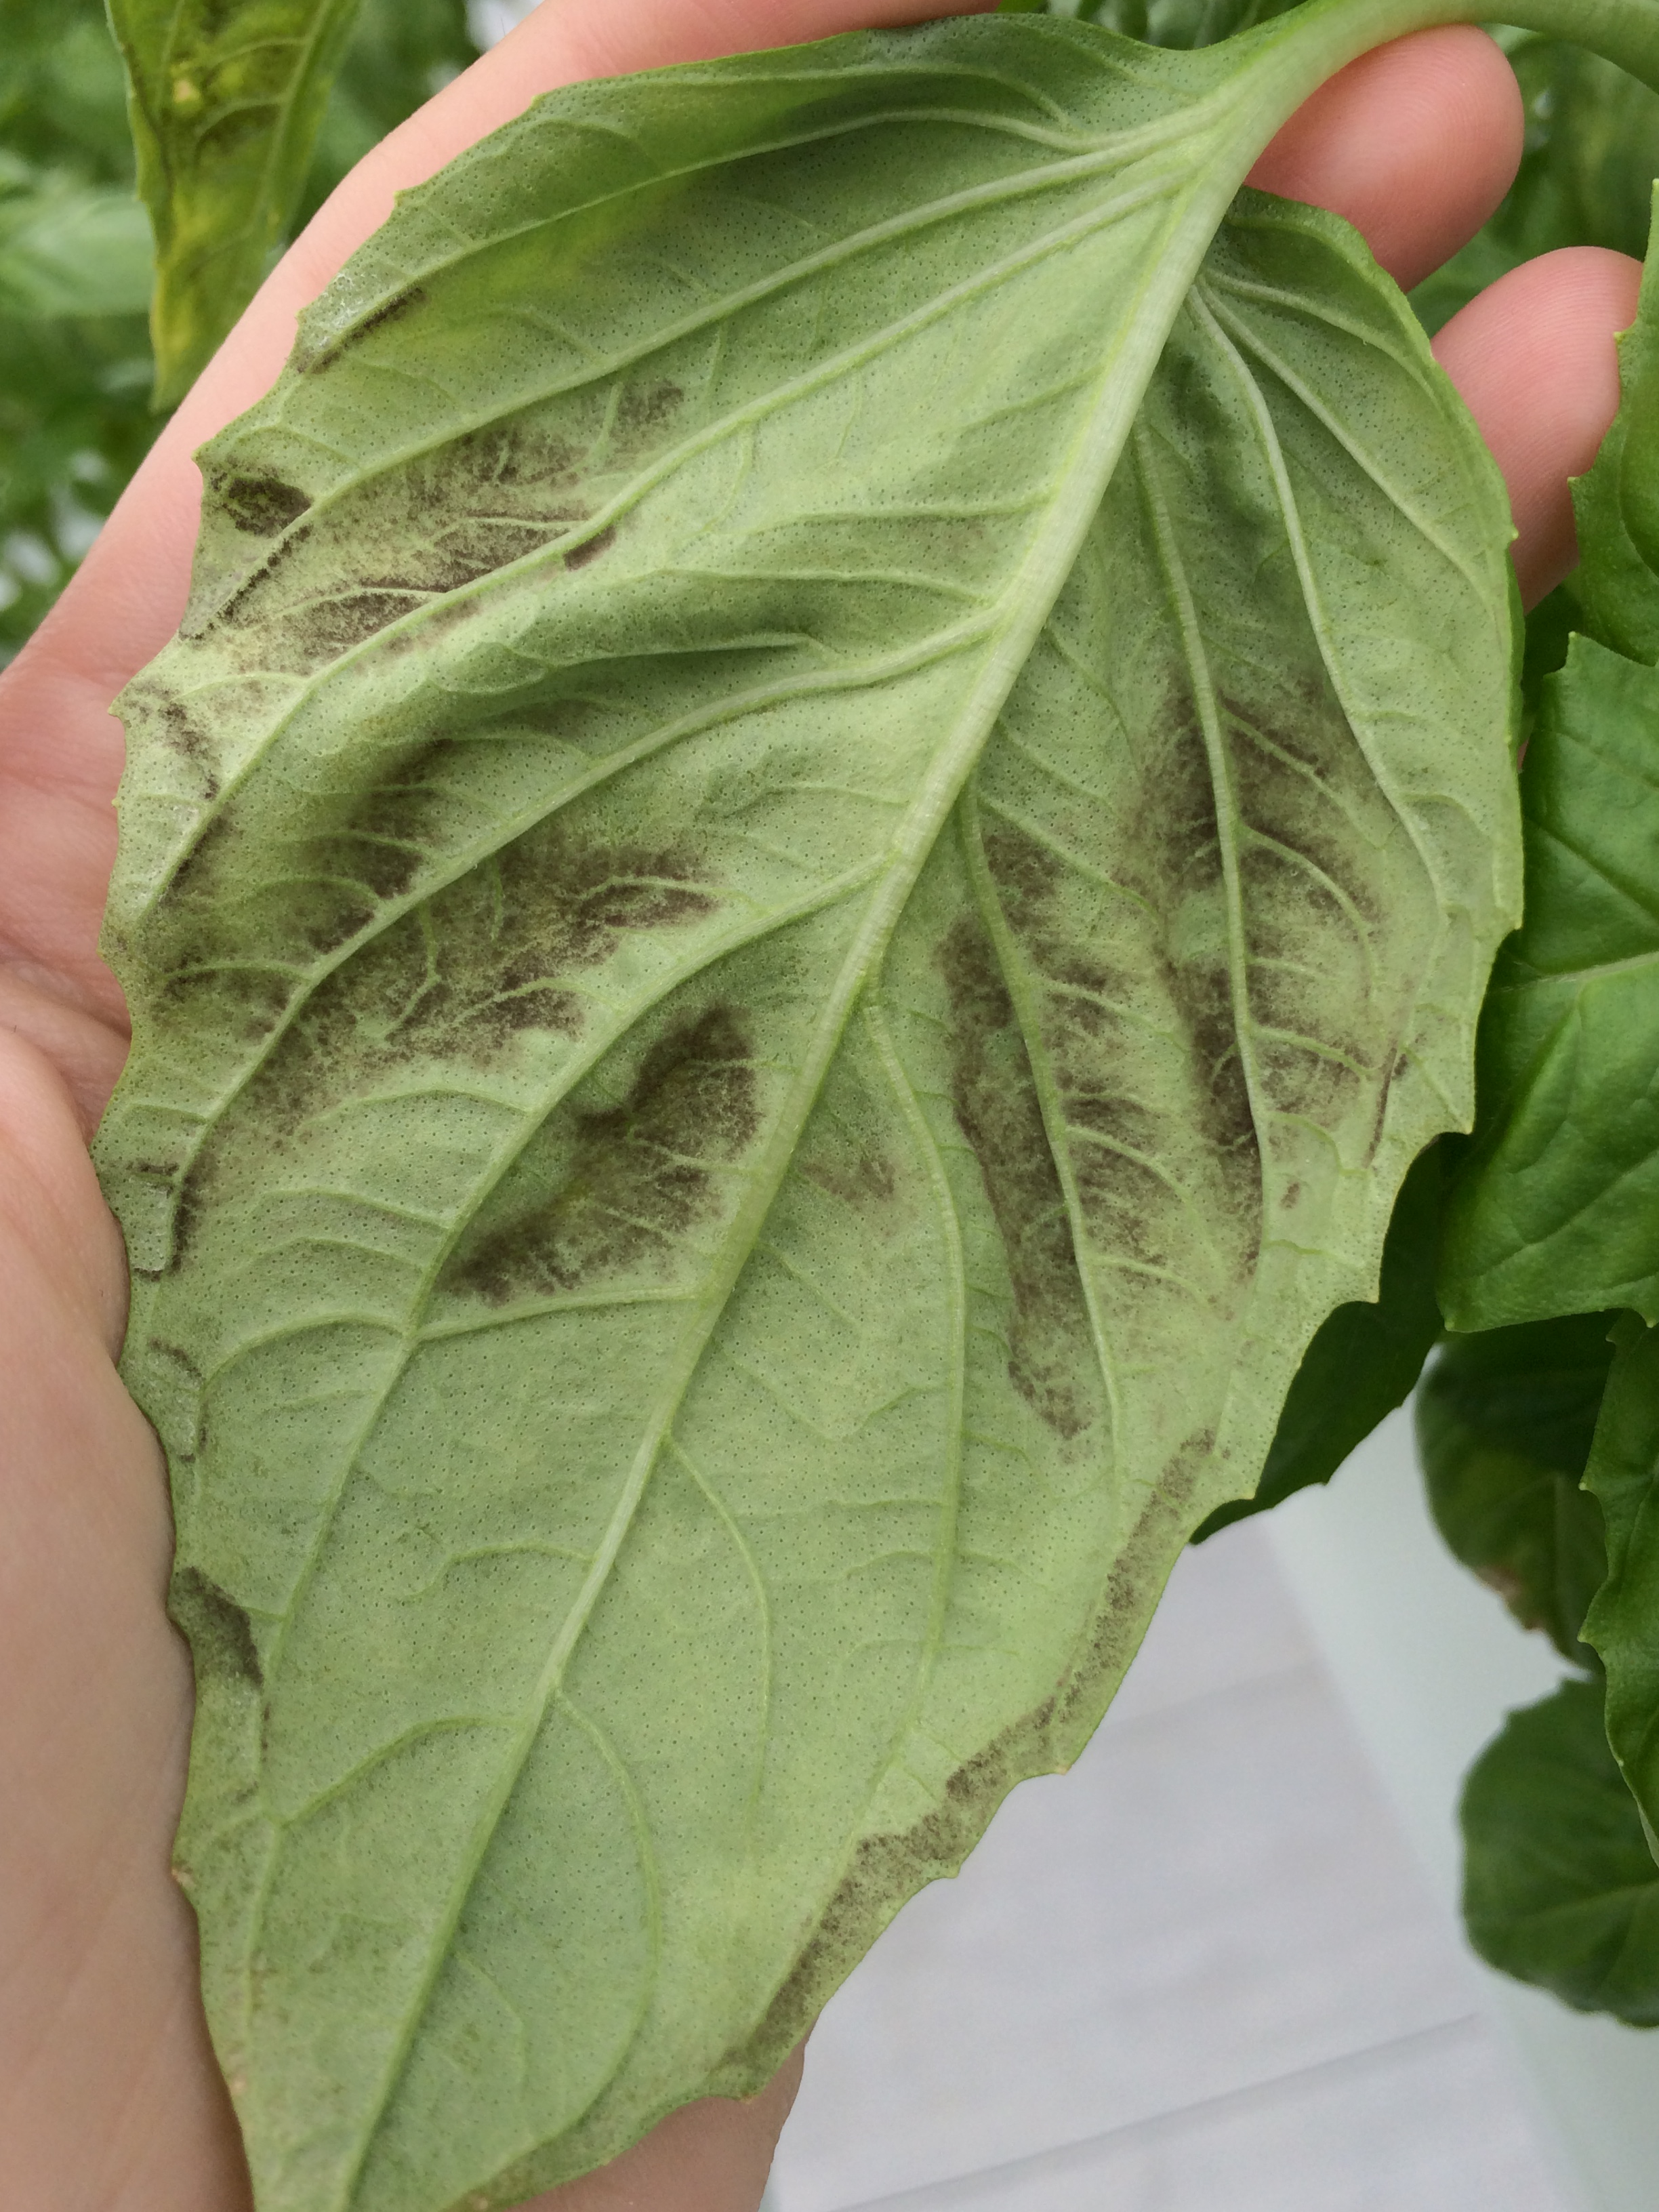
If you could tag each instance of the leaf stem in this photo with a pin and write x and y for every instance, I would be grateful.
(1299, 52)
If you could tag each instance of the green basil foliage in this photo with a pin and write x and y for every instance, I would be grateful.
(1505, 1422)
(1556, 1207)
(1623, 1622)
(75, 276)
(790, 926)
(1560, 1888)
(1552, 1220)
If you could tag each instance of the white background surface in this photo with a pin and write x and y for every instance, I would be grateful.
(1203, 1972)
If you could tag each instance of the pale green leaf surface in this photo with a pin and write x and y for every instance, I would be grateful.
(763, 1028)
(1504, 1421)
(1556, 1206)
(226, 102)
(1559, 1888)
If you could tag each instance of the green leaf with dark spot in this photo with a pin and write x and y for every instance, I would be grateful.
(1559, 1886)
(1362, 1362)
(1504, 1421)
(1555, 1206)
(226, 101)
(790, 926)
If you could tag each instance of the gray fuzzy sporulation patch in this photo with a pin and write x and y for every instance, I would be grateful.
(221, 1637)
(998, 1112)
(641, 1175)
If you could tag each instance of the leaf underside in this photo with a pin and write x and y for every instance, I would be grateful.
(787, 939)
(225, 104)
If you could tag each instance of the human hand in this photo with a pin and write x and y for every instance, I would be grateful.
(109, 2100)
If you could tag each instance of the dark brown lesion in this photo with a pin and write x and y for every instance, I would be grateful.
(591, 548)
(221, 1635)
(639, 1176)
(395, 540)
(259, 506)
(994, 1095)
(307, 360)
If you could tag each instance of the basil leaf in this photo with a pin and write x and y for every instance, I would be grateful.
(1622, 1621)
(1362, 1363)
(771, 999)
(1559, 1888)
(1617, 504)
(1504, 1421)
(225, 104)
(1555, 1208)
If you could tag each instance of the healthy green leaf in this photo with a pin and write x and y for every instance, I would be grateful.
(1555, 1208)
(1622, 1621)
(70, 249)
(1617, 504)
(1504, 1421)
(1364, 1361)
(226, 103)
(771, 999)
(1559, 1888)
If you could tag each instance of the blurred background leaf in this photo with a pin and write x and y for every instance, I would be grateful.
(75, 367)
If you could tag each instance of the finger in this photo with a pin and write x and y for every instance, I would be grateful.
(1535, 359)
(1414, 144)
(713, 2156)
(143, 551)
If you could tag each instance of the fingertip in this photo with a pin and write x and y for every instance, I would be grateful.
(1414, 144)
(1535, 359)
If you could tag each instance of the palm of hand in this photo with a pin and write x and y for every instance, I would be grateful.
(108, 2093)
